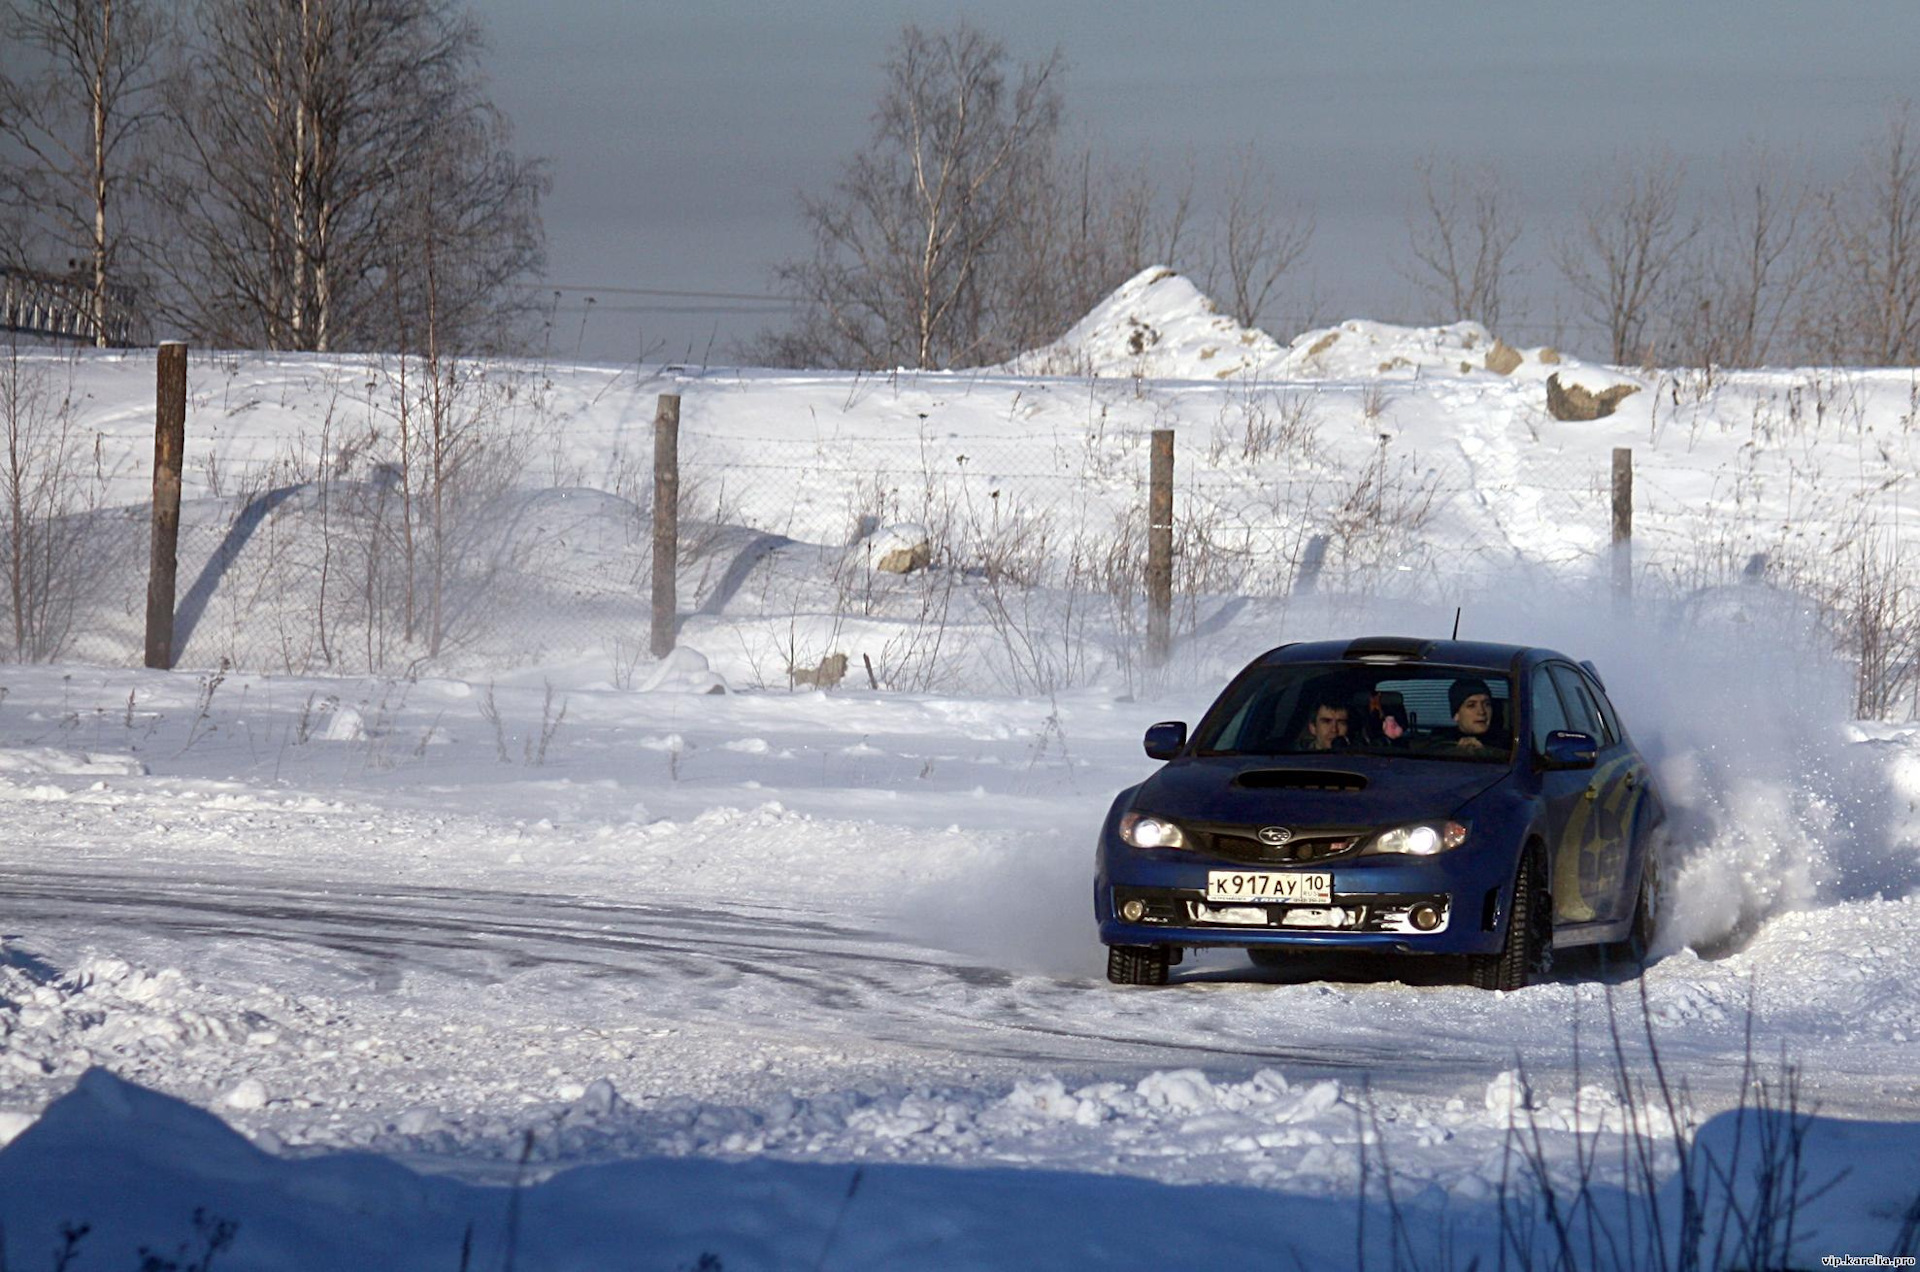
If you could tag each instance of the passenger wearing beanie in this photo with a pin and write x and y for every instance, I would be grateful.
(1472, 704)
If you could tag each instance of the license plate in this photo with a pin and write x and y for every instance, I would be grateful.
(1306, 887)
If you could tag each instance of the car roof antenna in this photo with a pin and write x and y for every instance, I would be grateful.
(1456, 622)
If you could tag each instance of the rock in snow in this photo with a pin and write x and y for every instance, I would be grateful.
(247, 1095)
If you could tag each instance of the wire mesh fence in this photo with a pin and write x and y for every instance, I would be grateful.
(1007, 551)
(323, 579)
(1031, 547)
(1037, 545)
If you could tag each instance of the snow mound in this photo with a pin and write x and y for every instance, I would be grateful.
(1359, 349)
(1156, 325)
(54, 1025)
(683, 670)
(345, 725)
(38, 760)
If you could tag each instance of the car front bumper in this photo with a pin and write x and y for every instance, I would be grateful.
(1377, 903)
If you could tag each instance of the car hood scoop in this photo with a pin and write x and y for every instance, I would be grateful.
(1358, 791)
(1300, 780)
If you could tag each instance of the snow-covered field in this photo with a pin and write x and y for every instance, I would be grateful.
(539, 947)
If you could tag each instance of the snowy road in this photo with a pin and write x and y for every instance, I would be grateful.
(812, 980)
(819, 928)
(828, 977)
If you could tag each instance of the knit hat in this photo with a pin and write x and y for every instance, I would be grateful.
(1461, 690)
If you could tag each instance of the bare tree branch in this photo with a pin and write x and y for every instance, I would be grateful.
(1255, 241)
(81, 119)
(307, 131)
(1873, 266)
(905, 245)
(1462, 234)
(1738, 309)
(1622, 260)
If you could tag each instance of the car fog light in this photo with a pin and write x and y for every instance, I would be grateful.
(1424, 918)
(1133, 911)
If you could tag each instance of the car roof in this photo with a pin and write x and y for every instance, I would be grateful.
(1387, 650)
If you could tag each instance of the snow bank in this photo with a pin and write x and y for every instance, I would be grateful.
(1360, 350)
(1159, 326)
(54, 1026)
(146, 1171)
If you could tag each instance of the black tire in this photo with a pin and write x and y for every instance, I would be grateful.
(1138, 964)
(1638, 944)
(1272, 958)
(1525, 950)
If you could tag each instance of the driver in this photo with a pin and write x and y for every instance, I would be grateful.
(1326, 728)
(1472, 704)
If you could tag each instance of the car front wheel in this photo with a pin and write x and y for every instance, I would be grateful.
(1138, 964)
(1525, 949)
(1646, 917)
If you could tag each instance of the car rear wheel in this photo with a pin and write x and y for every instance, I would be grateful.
(1138, 964)
(1525, 950)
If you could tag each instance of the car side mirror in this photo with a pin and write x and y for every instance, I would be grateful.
(1164, 740)
(1569, 750)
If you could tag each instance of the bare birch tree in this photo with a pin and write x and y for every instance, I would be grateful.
(306, 131)
(1873, 266)
(1752, 272)
(1256, 240)
(1621, 262)
(80, 118)
(903, 244)
(1461, 234)
(43, 485)
(1084, 229)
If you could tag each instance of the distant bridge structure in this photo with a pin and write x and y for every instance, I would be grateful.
(60, 307)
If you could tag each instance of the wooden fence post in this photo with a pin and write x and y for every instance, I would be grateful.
(1160, 549)
(666, 520)
(1622, 528)
(169, 444)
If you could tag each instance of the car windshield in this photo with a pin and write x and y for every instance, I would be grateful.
(1443, 713)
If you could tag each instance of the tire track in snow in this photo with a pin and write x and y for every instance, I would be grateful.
(814, 974)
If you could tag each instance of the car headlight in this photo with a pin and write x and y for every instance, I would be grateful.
(1144, 830)
(1422, 839)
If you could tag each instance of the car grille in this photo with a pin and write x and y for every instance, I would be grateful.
(1241, 843)
(1384, 912)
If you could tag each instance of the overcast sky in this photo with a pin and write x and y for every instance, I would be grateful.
(679, 133)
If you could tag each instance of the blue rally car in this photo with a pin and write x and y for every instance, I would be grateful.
(1388, 794)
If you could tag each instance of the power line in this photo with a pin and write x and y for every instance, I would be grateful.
(663, 309)
(665, 291)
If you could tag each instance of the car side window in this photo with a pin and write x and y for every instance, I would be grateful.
(1584, 716)
(1548, 715)
(1607, 713)
(1609, 732)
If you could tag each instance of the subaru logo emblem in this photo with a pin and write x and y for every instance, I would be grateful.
(1274, 836)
